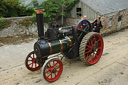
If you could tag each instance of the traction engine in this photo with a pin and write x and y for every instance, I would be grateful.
(72, 42)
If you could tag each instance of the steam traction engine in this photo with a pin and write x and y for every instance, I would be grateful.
(72, 42)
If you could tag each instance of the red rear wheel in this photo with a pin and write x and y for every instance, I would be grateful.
(31, 62)
(91, 48)
(52, 69)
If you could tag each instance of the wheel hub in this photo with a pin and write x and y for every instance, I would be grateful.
(34, 60)
(54, 70)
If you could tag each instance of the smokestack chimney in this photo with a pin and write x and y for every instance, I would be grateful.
(40, 22)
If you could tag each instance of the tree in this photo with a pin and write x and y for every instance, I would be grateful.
(12, 8)
(53, 8)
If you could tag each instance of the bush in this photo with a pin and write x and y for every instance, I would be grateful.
(12, 8)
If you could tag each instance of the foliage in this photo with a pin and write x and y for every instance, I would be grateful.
(4, 24)
(53, 8)
(12, 8)
(35, 3)
(69, 4)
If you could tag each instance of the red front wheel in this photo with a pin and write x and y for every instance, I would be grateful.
(52, 69)
(31, 62)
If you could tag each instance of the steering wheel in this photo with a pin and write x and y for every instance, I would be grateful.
(83, 26)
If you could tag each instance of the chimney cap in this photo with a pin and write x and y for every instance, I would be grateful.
(39, 11)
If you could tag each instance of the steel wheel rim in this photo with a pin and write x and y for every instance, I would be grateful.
(31, 62)
(94, 49)
(53, 70)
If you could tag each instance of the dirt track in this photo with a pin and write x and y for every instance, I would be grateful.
(112, 69)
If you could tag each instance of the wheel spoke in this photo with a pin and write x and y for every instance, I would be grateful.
(96, 42)
(49, 64)
(47, 71)
(89, 51)
(49, 74)
(99, 48)
(55, 74)
(94, 38)
(86, 49)
(91, 42)
(32, 64)
(57, 67)
(89, 46)
(55, 64)
(29, 64)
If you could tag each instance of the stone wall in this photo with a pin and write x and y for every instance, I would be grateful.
(119, 20)
(16, 28)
